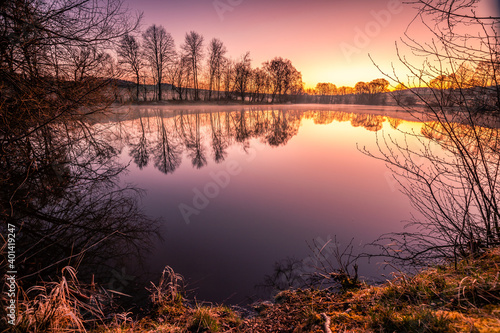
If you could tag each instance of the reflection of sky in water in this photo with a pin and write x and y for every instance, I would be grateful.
(277, 198)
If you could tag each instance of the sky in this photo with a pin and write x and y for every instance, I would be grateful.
(326, 40)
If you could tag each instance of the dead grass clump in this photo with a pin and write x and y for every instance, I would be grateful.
(64, 306)
(473, 283)
(170, 289)
(213, 319)
(384, 319)
(462, 297)
(204, 319)
(424, 288)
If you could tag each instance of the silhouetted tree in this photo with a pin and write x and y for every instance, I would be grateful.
(370, 93)
(130, 55)
(259, 84)
(378, 86)
(216, 53)
(344, 94)
(283, 76)
(193, 51)
(242, 72)
(326, 91)
(159, 50)
(57, 173)
(228, 76)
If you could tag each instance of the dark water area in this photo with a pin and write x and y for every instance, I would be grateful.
(239, 189)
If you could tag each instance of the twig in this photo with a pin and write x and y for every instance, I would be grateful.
(326, 326)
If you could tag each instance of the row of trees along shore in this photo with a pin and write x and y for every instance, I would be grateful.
(200, 71)
(203, 72)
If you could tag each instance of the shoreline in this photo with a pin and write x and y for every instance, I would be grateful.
(390, 111)
(453, 297)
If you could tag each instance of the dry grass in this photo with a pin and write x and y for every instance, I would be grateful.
(169, 290)
(63, 306)
(465, 298)
(440, 299)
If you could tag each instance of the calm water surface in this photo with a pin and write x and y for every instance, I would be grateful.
(240, 188)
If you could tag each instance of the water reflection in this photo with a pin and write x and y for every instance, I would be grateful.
(163, 137)
(60, 190)
(167, 157)
(300, 176)
(140, 151)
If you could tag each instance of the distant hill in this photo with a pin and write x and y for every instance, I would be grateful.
(129, 84)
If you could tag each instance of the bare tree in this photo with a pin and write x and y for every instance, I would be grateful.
(371, 92)
(159, 50)
(53, 60)
(193, 50)
(283, 76)
(228, 76)
(326, 92)
(259, 84)
(178, 73)
(129, 54)
(450, 168)
(216, 53)
(242, 71)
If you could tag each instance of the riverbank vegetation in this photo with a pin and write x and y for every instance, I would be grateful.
(461, 297)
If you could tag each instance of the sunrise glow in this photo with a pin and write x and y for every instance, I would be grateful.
(327, 41)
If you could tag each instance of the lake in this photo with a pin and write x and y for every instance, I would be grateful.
(240, 188)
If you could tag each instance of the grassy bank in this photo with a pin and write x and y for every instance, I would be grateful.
(449, 298)
(465, 298)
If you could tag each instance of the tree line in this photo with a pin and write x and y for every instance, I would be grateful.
(199, 71)
(361, 93)
(203, 71)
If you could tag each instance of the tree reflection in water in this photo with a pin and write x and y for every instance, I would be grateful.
(166, 152)
(220, 135)
(60, 189)
(219, 142)
(190, 132)
(140, 151)
(194, 132)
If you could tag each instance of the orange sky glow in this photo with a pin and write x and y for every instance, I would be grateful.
(327, 41)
